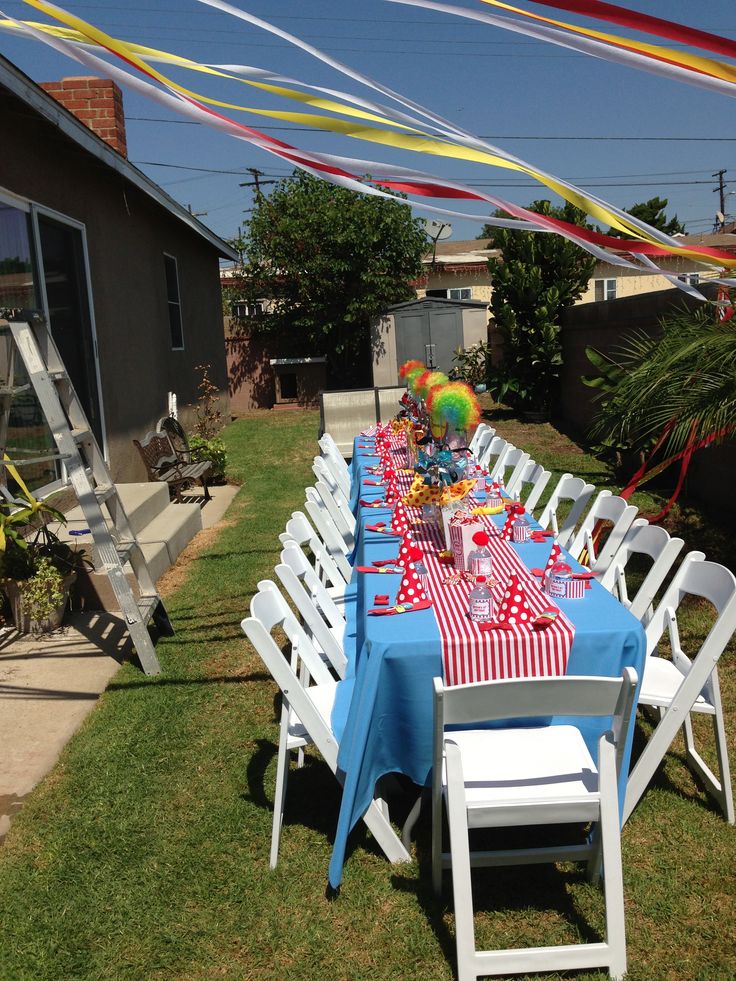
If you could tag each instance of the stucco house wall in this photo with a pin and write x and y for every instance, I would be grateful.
(127, 235)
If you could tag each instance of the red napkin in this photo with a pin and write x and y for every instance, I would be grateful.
(401, 608)
(372, 568)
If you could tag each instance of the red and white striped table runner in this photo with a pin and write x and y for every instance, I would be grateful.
(470, 654)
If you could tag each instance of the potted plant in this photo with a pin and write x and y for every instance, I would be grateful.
(38, 569)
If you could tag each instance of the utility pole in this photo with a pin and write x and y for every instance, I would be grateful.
(256, 183)
(721, 190)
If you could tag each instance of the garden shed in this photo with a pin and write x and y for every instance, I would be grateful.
(430, 329)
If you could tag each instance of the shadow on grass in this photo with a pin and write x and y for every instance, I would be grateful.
(502, 890)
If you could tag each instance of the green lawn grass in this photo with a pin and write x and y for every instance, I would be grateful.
(145, 853)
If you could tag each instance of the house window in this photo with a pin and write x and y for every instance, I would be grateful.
(452, 294)
(174, 303)
(605, 289)
(692, 279)
(243, 311)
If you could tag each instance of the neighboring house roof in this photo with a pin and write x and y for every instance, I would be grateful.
(475, 251)
(25, 89)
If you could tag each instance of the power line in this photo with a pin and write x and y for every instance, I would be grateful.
(485, 136)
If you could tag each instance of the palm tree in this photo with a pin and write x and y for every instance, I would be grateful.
(681, 383)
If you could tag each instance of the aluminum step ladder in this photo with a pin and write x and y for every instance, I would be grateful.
(88, 475)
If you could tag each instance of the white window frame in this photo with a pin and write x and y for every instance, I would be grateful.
(36, 211)
(168, 255)
(691, 278)
(609, 289)
(459, 289)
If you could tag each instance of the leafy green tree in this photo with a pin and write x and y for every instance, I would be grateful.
(327, 260)
(536, 277)
(682, 378)
(653, 213)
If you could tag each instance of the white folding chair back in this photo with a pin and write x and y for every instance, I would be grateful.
(509, 467)
(311, 705)
(299, 531)
(345, 524)
(328, 531)
(574, 490)
(335, 463)
(678, 685)
(531, 484)
(537, 775)
(325, 623)
(654, 542)
(611, 510)
(322, 472)
(330, 449)
(493, 450)
(480, 439)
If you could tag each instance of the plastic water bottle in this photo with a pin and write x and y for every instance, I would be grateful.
(479, 560)
(480, 602)
(557, 579)
(521, 530)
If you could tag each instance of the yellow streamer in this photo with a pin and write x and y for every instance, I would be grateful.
(419, 143)
(706, 66)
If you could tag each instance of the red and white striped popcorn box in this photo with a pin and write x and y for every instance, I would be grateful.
(463, 526)
(575, 589)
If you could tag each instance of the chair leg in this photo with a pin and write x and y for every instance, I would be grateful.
(282, 776)
(461, 882)
(612, 869)
(380, 827)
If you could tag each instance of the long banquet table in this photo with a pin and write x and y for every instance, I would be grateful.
(383, 716)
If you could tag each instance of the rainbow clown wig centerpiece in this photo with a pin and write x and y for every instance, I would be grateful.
(410, 371)
(453, 409)
(427, 380)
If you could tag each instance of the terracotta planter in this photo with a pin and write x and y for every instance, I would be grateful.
(23, 622)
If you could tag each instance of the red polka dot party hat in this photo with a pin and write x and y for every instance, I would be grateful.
(410, 590)
(514, 608)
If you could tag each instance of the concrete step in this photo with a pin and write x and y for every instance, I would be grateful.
(162, 540)
(142, 503)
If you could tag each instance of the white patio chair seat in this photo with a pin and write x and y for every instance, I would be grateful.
(531, 484)
(696, 690)
(569, 488)
(308, 693)
(654, 542)
(515, 777)
(612, 510)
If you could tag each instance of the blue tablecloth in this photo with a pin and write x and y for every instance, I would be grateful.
(384, 720)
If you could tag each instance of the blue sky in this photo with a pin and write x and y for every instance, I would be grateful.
(626, 135)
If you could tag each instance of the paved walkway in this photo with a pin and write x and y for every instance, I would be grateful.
(49, 684)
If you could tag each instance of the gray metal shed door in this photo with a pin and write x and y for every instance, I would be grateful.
(431, 336)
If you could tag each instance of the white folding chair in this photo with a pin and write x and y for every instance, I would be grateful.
(479, 436)
(482, 443)
(654, 542)
(306, 708)
(337, 470)
(511, 462)
(488, 459)
(531, 484)
(322, 472)
(608, 510)
(328, 530)
(678, 686)
(544, 775)
(328, 445)
(299, 530)
(324, 622)
(345, 524)
(578, 493)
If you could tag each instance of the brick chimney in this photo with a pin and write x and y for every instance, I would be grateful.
(97, 102)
